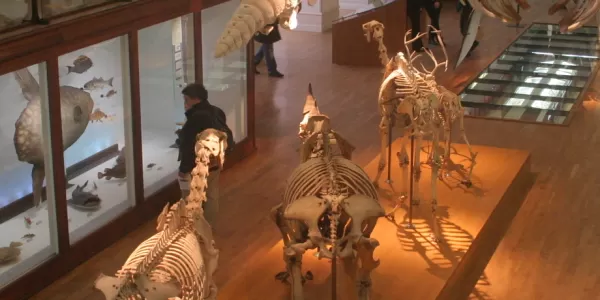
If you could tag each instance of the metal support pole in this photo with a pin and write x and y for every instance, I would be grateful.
(412, 182)
(518, 25)
(333, 277)
(389, 169)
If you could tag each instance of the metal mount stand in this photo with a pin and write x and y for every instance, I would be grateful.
(410, 224)
(389, 166)
(35, 14)
(518, 25)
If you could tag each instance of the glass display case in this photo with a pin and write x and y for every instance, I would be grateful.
(539, 78)
(87, 135)
(27, 219)
(51, 8)
(166, 62)
(95, 98)
(225, 78)
(13, 13)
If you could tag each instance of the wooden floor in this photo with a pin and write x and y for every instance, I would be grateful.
(550, 252)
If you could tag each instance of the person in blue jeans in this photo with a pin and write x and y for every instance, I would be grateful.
(266, 50)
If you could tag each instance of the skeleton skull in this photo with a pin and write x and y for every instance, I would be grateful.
(374, 29)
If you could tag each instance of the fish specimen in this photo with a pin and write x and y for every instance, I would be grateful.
(98, 83)
(80, 65)
(75, 105)
(117, 171)
(83, 200)
(10, 253)
(98, 115)
(109, 94)
(28, 237)
(27, 222)
(150, 165)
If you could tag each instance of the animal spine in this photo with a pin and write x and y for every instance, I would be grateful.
(253, 16)
(179, 260)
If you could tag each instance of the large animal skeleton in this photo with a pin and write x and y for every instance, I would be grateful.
(408, 82)
(412, 101)
(574, 16)
(329, 204)
(254, 16)
(178, 262)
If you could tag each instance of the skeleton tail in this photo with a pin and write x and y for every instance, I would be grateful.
(251, 16)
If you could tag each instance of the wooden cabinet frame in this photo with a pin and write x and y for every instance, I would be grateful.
(78, 30)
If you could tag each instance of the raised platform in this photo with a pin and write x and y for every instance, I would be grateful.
(473, 222)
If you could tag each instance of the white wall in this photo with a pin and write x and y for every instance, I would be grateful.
(224, 78)
(159, 107)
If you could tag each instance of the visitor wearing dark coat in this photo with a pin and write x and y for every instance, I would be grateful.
(266, 50)
(413, 9)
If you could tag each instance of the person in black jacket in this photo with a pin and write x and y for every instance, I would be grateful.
(200, 116)
(266, 50)
(413, 10)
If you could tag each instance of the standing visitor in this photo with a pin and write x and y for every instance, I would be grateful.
(201, 115)
(266, 49)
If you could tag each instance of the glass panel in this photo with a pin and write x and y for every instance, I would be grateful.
(28, 232)
(166, 55)
(539, 78)
(95, 110)
(225, 78)
(12, 13)
(51, 8)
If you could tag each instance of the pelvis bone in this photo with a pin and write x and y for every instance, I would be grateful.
(312, 208)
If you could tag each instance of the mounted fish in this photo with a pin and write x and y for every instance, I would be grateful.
(119, 170)
(80, 65)
(10, 253)
(75, 106)
(97, 84)
(83, 200)
(252, 16)
(109, 94)
(576, 15)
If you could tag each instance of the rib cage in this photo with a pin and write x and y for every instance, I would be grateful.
(311, 177)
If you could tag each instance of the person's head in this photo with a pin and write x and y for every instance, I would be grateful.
(193, 94)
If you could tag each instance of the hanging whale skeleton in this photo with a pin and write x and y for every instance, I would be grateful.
(575, 14)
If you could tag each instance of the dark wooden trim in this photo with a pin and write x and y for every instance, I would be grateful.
(210, 3)
(136, 116)
(58, 160)
(198, 64)
(18, 206)
(469, 269)
(79, 33)
(250, 93)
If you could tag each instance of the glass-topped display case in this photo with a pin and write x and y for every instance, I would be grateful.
(539, 78)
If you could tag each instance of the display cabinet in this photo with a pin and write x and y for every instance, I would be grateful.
(89, 112)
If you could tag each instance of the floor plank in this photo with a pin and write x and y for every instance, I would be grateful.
(550, 252)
